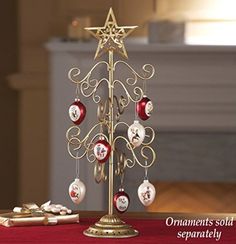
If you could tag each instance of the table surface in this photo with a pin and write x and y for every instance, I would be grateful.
(152, 228)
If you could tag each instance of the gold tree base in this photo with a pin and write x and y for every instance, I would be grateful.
(110, 226)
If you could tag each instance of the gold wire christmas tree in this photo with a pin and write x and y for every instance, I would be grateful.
(111, 39)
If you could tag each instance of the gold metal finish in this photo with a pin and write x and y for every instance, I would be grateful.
(110, 226)
(111, 36)
(111, 134)
(109, 113)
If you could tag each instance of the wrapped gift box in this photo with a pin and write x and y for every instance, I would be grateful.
(31, 214)
(12, 219)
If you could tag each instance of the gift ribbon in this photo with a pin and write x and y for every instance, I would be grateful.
(33, 210)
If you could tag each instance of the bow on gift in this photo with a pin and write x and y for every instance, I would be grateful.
(30, 209)
(33, 210)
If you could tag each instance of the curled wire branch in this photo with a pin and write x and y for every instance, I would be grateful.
(103, 112)
(148, 72)
(136, 97)
(73, 74)
(143, 151)
(74, 143)
(151, 136)
(99, 172)
(120, 106)
(120, 123)
(121, 163)
(89, 88)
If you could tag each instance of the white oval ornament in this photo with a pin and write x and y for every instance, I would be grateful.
(146, 193)
(77, 191)
(136, 133)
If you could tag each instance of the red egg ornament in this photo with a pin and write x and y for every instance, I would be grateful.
(77, 112)
(144, 108)
(121, 201)
(102, 150)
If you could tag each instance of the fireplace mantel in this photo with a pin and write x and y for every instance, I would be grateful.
(194, 90)
(138, 45)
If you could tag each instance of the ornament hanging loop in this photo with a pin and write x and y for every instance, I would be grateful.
(77, 92)
(77, 166)
(122, 176)
(146, 171)
(145, 86)
(135, 111)
(101, 130)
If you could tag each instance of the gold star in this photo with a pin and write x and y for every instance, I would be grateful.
(111, 36)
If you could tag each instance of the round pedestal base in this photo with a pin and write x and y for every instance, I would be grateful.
(110, 226)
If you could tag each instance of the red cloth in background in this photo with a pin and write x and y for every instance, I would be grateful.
(151, 231)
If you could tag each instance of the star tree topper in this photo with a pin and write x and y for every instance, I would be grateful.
(111, 36)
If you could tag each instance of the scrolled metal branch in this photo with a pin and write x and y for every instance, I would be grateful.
(148, 72)
(74, 143)
(120, 123)
(92, 87)
(103, 113)
(121, 163)
(99, 172)
(73, 74)
(120, 106)
(131, 163)
(88, 86)
(151, 137)
(136, 97)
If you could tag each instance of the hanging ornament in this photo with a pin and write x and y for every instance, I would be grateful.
(77, 112)
(121, 201)
(146, 193)
(77, 191)
(102, 150)
(144, 108)
(136, 133)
